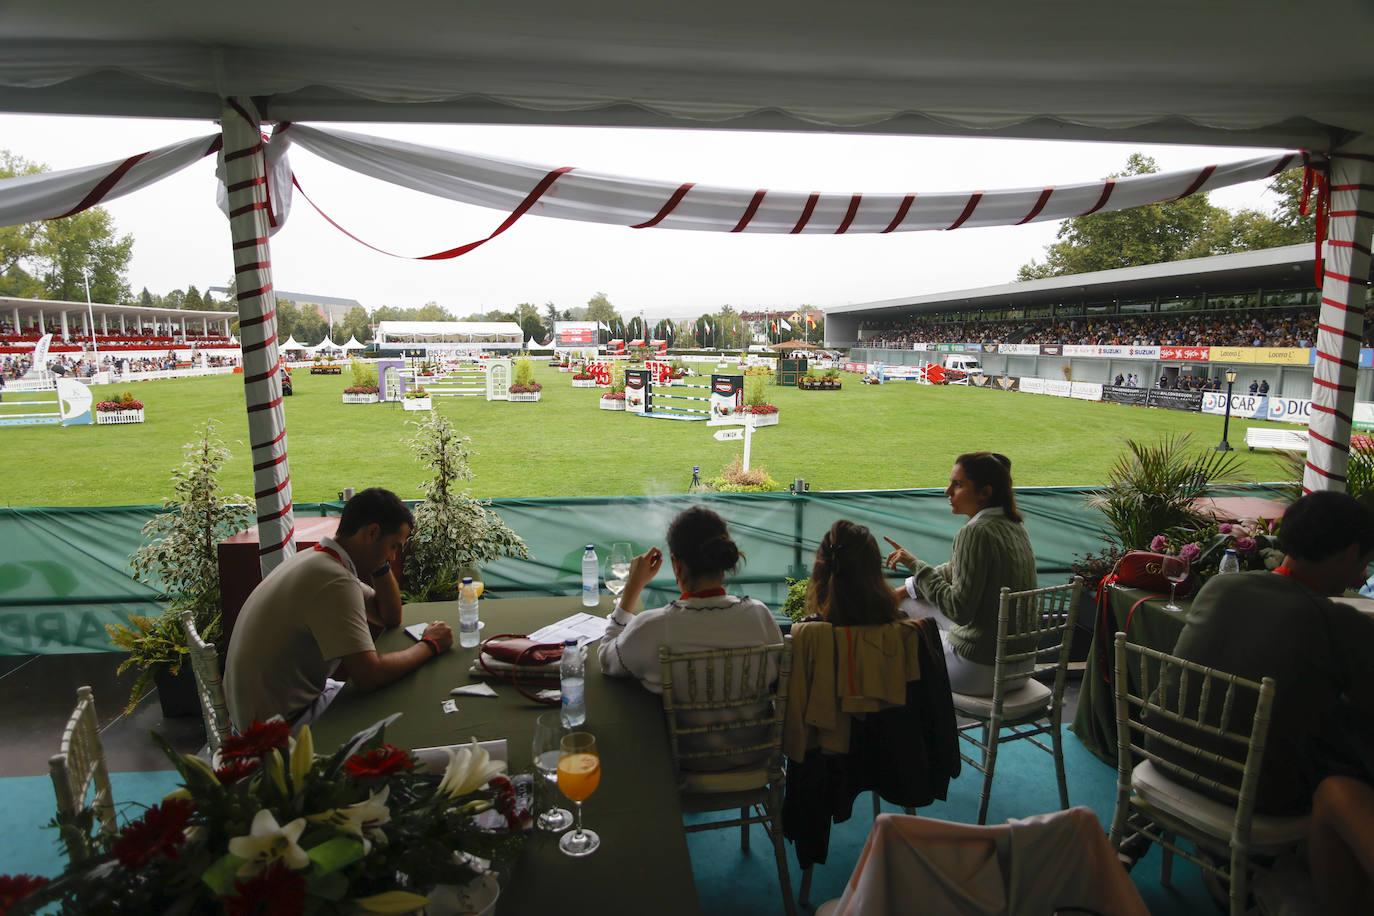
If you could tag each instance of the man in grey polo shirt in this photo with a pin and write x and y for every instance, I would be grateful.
(311, 613)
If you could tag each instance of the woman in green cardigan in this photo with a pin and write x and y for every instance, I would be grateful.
(990, 551)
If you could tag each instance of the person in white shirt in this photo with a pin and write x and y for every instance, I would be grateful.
(704, 617)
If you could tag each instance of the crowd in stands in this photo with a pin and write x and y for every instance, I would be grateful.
(1267, 328)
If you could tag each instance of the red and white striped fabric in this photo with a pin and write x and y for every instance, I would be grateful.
(52, 195)
(1341, 325)
(571, 193)
(245, 173)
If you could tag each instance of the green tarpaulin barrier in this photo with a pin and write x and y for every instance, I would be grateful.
(64, 572)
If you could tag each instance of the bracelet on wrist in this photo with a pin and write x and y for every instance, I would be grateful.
(385, 568)
(432, 643)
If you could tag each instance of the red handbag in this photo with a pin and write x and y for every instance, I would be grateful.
(513, 656)
(1137, 569)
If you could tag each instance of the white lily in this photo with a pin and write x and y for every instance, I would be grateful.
(267, 842)
(362, 819)
(302, 756)
(468, 770)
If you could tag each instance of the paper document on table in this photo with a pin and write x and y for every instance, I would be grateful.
(416, 630)
(582, 627)
(435, 759)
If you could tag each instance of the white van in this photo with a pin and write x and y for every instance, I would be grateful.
(965, 364)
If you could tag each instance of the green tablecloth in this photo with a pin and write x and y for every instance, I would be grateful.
(1150, 625)
(643, 863)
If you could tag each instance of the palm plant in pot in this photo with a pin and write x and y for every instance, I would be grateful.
(454, 533)
(180, 557)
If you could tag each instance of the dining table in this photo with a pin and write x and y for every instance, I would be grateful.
(643, 863)
(1146, 619)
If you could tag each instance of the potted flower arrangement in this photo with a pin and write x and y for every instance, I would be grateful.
(124, 409)
(524, 387)
(274, 827)
(756, 411)
(565, 365)
(364, 388)
(1255, 542)
(418, 398)
(615, 398)
(808, 382)
(831, 380)
(180, 556)
(583, 379)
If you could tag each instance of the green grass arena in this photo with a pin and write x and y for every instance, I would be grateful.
(862, 437)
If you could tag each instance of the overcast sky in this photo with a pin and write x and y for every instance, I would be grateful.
(181, 238)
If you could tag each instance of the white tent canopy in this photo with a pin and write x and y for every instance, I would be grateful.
(292, 344)
(450, 331)
(352, 343)
(1225, 71)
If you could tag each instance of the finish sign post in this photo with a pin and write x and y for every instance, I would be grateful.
(746, 433)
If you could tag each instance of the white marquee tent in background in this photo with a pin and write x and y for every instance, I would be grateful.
(1228, 72)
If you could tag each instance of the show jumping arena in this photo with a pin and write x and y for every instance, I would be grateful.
(725, 395)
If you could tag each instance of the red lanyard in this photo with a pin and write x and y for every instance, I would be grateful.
(705, 593)
(1286, 571)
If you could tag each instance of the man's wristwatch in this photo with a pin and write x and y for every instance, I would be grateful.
(385, 568)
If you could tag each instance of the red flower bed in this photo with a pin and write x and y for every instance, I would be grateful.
(260, 738)
(613, 396)
(361, 389)
(526, 389)
(761, 408)
(160, 831)
(383, 761)
(114, 406)
(14, 888)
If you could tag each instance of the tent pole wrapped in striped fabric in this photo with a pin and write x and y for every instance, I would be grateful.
(1341, 325)
(245, 180)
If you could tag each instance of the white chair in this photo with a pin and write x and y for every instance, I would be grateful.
(725, 710)
(1199, 722)
(79, 764)
(1032, 626)
(209, 685)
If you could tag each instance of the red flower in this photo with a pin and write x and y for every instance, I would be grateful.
(232, 772)
(14, 888)
(383, 761)
(260, 739)
(274, 891)
(160, 830)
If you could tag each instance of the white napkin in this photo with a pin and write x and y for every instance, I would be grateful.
(473, 690)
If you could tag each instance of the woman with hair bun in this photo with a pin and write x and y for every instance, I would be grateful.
(704, 617)
(847, 587)
(991, 551)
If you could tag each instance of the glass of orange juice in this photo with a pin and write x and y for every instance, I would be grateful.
(579, 773)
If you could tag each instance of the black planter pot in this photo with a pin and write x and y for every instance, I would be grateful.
(177, 693)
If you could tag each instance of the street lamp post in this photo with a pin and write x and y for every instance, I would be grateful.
(90, 315)
(1225, 446)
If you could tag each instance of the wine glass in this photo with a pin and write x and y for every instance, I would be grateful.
(618, 567)
(548, 736)
(579, 773)
(1175, 569)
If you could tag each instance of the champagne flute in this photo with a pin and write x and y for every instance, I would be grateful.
(1175, 569)
(579, 773)
(618, 567)
(548, 736)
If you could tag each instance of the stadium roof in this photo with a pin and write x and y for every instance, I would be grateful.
(1223, 72)
(31, 307)
(1288, 267)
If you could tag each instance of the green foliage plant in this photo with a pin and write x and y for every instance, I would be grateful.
(524, 370)
(364, 376)
(734, 479)
(1154, 487)
(794, 605)
(180, 556)
(454, 533)
(753, 390)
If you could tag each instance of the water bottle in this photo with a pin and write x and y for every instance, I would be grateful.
(572, 684)
(467, 614)
(591, 578)
(1229, 563)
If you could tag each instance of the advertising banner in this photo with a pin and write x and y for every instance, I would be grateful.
(1174, 399)
(1123, 394)
(1021, 349)
(1079, 350)
(575, 334)
(1004, 382)
(988, 348)
(921, 347)
(1245, 406)
(1113, 350)
(1290, 410)
(904, 373)
(856, 367)
(1189, 354)
(1059, 387)
(636, 389)
(1049, 349)
(1283, 356)
(1033, 385)
(1086, 391)
(1364, 414)
(1143, 352)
